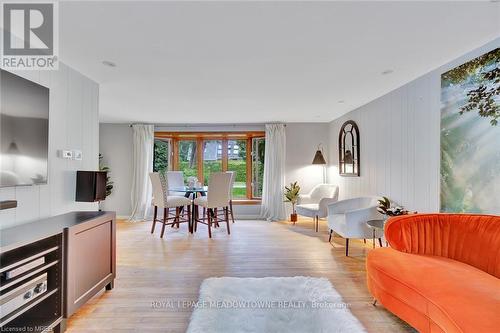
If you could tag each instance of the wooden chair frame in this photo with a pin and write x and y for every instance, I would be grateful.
(176, 218)
(211, 216)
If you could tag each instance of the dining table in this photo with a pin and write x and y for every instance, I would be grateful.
(191, 193)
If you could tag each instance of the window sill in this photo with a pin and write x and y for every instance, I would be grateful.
(247, 201)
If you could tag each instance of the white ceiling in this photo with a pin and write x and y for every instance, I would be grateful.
(237, 62)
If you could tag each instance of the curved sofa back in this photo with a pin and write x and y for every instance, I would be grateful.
(471, 239)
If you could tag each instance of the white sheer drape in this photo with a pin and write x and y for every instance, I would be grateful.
(143, 140)
(273, 207)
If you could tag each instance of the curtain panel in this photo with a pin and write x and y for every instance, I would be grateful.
(143, 140)
(273, 207)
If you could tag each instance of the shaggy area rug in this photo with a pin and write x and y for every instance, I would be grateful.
(272, 304)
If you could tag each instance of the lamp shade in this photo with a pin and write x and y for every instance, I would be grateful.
(318, 158)
(13, 148)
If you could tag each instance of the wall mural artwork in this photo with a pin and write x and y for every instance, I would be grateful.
(470, 136)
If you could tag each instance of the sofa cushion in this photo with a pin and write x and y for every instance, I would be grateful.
(456, 297)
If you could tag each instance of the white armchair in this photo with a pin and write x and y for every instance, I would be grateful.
(315, 203)
(348, 218)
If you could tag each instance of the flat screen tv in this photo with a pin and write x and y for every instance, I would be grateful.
(24, 131)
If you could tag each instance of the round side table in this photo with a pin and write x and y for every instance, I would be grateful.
(376, 225)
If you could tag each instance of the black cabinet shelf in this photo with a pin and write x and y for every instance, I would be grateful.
(31, 286)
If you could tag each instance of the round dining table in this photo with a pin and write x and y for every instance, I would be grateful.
(191, 193)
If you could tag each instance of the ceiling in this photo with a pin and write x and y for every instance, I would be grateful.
(253, 62)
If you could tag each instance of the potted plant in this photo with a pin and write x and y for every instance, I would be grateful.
(384, 207)
(109, 183)
(292, 196)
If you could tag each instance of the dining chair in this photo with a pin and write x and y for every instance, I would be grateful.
(175, 179)
(161, 199)
(231, 185)
(217, 197)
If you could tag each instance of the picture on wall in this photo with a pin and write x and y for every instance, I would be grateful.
(470, 136)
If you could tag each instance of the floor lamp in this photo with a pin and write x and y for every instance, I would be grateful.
(319, 159)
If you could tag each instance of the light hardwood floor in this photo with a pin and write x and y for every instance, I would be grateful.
(150, 269)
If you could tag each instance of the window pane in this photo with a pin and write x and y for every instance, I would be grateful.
(237, 161)
(212, 158)
(258, 149)
(187, 159)
(161, 155)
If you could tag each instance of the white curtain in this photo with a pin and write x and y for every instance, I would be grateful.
(273, 207)
(143, 140)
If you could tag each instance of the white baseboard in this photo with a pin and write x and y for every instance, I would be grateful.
(236, 217)
(248, 217)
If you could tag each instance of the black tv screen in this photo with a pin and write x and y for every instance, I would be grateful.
(24, 131)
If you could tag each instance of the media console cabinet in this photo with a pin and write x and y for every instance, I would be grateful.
(50, 267)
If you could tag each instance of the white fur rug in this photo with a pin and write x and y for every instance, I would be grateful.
(272, 304)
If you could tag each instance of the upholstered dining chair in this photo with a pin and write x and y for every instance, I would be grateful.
(231, 185)
(217, 197)
(315, 203)
(175, 179)
(161, 199)
(348, 219)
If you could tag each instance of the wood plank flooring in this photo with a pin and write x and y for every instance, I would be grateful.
(151, 270)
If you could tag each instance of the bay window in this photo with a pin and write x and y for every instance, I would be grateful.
(200, 154)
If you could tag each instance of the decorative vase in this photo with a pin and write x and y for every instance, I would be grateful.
(293, 217)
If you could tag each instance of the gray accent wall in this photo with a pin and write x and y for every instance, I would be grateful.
(117, 149)
(301, 143)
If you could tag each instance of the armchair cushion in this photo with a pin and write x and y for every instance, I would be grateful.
(309, 210)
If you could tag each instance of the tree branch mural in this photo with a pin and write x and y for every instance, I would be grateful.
(470, 136)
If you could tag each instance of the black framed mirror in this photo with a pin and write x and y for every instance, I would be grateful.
(349, 163)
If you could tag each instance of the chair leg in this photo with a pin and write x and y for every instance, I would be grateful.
(204, 212)
(190, 225)
(195, 218)
(231, 207)
(380, 242)
(317, 223)
(347, 247)
(209, 222)
(165, 216)
(177, 215)
(155, 215)
(330, 238)
(226, 215)
(364, 240)
(216, 217)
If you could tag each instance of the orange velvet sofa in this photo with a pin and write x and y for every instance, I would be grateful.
(441, 272)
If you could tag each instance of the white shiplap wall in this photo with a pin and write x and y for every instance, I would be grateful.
(400, 142)
(73, 124)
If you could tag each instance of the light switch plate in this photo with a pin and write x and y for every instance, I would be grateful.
(77, 155)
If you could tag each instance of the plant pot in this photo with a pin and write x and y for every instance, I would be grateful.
(293, 217)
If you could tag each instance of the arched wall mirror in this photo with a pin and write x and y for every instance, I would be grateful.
(349, 149)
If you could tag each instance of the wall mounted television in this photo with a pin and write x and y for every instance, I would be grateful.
(24, 131)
